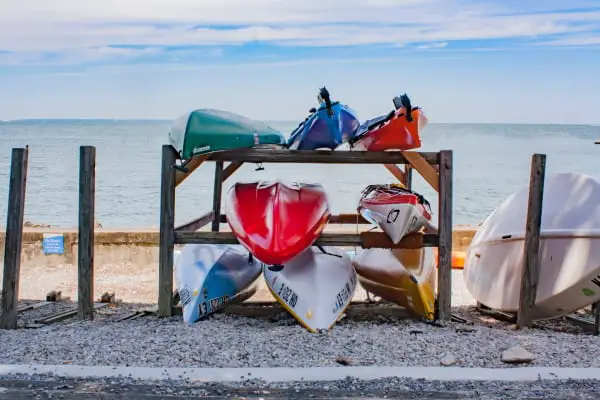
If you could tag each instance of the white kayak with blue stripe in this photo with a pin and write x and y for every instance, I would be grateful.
(208, 277)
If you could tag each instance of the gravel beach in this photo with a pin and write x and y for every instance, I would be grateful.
(275, 339)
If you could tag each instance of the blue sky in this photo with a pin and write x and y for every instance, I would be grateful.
(461, 60)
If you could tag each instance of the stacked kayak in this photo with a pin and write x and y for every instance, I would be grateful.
(278, 224)
(276, 221)
(206, 130)
(326, 127)
(400, 129)
(315, 287)
(402, 276)
(395, 209)
(209, 277)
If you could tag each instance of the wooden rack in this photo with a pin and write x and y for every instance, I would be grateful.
(424, 162)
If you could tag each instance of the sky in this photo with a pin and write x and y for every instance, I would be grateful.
(530, 61)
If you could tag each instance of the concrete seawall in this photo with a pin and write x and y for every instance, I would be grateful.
(125, 261)
(139, 245)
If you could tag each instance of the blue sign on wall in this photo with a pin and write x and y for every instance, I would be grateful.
(53, 243)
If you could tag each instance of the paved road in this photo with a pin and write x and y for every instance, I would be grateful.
(77, 389)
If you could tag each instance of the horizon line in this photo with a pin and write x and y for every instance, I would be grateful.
(20, 120)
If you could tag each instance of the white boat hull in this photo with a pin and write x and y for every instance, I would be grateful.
(208, 277)
(314, 287)
(569, 277)
(569, 254)
(396, 220)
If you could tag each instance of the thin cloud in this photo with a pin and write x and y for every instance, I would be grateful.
(76, 32)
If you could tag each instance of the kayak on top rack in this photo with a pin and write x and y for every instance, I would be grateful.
(208, 130)
(326, 127)
(397, 130)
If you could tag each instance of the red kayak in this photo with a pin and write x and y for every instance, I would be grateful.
(398, 130)
(275, 221)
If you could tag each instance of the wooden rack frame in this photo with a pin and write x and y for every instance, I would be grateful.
(423, 162)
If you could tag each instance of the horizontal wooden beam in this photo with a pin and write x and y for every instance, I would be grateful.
(334, 219)
(364, 239)
(196, 224)
(318, 157)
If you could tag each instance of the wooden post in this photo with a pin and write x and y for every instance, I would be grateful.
(217, 192)
(596, 309)
(167, 233)
(530, 273)
(85, 256)
(408, 176)
(14, 238)
(444, 285)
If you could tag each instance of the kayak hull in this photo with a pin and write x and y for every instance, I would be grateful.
(391, 132)
(326, 128)
(569, 254)
(276, 221)
(204, 131)
(397, 211)
(406, 277)
(315, 287)
(208, 277)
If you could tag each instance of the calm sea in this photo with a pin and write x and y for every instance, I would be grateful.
(491, 161)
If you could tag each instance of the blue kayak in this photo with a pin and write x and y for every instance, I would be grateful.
(326, 127)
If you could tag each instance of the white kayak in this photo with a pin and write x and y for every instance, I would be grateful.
(569, 249)
(395, 209)
(315, 287)
(208, 277)
(406, 277)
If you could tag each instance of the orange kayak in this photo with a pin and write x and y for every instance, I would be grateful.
(458, 258)
(398, 130)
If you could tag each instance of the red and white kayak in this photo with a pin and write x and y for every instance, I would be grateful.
(395, 209)
(276, 221)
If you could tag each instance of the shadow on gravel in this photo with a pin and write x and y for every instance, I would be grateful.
(71, 389)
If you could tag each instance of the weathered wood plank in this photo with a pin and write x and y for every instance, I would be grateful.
(530, 273)
(14, 237)
(444, 286)
(349, 219)
(85, 254)
(197, 223)
(217, 192)
(397, 172)
(321, 157)
(191, 166)
(423, 167)
(231, 169)
(364, 239)
(167, 233)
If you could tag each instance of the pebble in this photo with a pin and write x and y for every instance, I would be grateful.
(235, 341)
(448, 360)
(517, 355)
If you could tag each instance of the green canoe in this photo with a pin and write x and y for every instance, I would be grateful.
(207, 130)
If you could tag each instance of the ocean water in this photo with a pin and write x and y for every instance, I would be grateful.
(490, 162)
